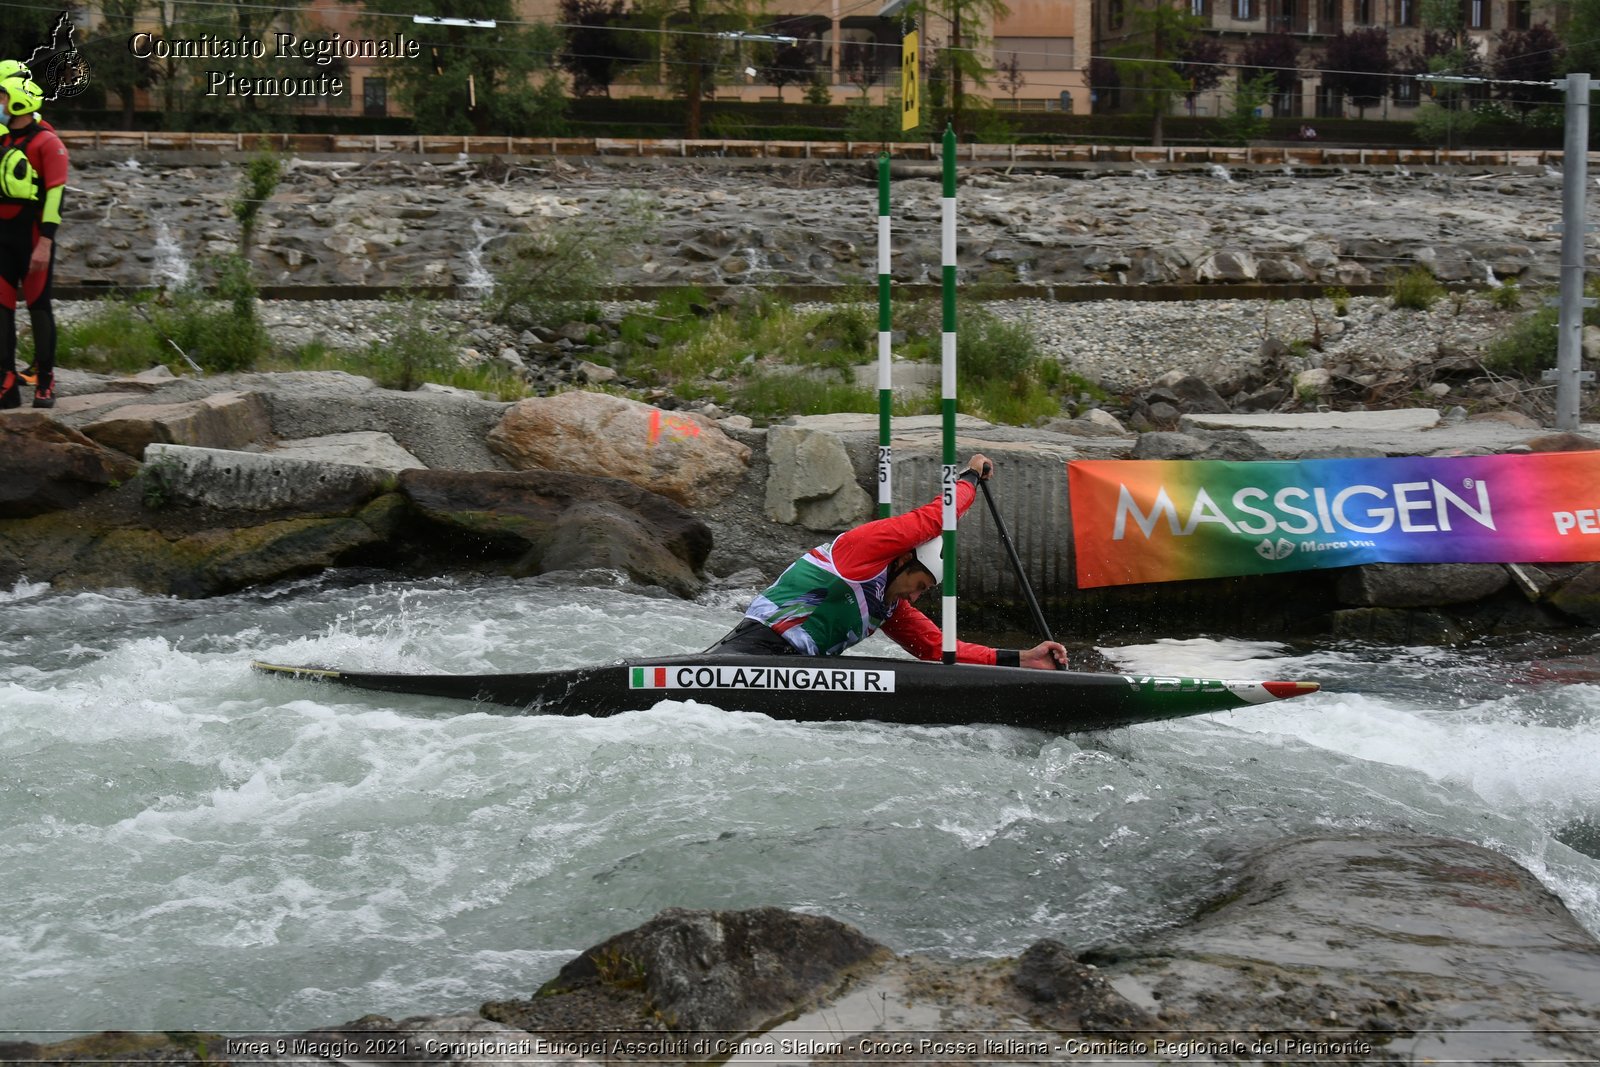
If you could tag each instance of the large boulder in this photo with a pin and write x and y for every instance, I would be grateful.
(1198, 444)
(1390, 947)
(681, 456)
(45, 466)
(811, 481)
(124, 542)
(1421, 585)
(699, 971)
(539, 521)
(222, 420)
(1579, 596)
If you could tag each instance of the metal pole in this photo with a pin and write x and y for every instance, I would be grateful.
(885, 373)
(1574, 174)
(947, 381)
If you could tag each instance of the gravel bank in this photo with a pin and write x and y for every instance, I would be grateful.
(1123, 345)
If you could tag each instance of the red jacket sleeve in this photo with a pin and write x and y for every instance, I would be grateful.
(864, 551)
(920, 636)
(49, 157)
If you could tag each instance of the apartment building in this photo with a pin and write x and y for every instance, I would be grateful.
(1308, 25)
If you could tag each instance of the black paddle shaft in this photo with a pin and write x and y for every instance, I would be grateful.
(1016, 563)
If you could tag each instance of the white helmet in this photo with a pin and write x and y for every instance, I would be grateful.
(931, 555)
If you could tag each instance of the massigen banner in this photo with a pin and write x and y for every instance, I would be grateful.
(1165, 520)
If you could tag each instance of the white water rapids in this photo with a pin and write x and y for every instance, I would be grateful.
(187, 844)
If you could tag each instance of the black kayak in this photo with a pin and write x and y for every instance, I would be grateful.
(836, 689)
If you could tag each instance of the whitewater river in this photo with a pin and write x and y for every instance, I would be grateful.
(187, 844)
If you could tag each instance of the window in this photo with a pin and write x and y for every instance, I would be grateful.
(1114, 14)
(1244, 10)
(1405, 12)
(1406, 92)
(375, 97)
(1519, 14)
(1364, 12)
(1477, 14)
(1328, 16)
(1035, 53)
(1200, 9)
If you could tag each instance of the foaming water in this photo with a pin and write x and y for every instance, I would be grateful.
(184, 843)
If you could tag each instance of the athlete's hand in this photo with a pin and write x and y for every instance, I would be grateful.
(1044, 656)
(979, 464)
(40, 260)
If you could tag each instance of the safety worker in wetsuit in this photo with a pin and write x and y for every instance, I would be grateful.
(32, 182)
(867, 579)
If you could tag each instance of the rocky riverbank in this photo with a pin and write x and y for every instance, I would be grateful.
(1378, 949)
(379, 221)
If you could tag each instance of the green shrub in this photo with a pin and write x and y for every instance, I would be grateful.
(1416, 289)
(1527, 347)
(1340, 298)
(417, 352)
(1508, 297)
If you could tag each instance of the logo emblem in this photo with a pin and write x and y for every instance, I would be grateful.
(1275, 550)
(58, 65)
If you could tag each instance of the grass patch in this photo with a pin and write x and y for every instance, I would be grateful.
(1416, 289)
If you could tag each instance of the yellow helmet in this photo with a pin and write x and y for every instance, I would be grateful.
(25, 95)
(10, 68)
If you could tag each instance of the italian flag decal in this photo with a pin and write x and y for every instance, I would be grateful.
(649, 678)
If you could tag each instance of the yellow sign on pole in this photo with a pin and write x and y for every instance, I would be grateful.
(910, 99)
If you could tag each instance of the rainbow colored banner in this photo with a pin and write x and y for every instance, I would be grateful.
(1167, 520)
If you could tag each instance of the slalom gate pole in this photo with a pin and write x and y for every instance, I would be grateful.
(947, 381)
(885, 336)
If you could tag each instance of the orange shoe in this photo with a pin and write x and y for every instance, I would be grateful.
(29, 376)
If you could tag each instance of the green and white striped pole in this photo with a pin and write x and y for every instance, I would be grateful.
(947, 381)
(885, 373)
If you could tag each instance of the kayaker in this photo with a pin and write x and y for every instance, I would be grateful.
(838, 594)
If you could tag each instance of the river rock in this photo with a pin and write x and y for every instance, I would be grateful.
(223, 420)
(45, 466)
(681, 455)
(811, 481)
(1420, 585)
(363, 448)
(137, 536)
(1383, 946)
(532, 522)
(1198, 444)
(1579, 596)
(252, 481)
(699, 972)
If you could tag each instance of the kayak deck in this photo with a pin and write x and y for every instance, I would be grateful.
(814, 689)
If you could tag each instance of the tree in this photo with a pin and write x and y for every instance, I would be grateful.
(1358, 65)
(1011, 77)
(598, 48)
(1276, 57)
(113, 66)
(1203, 63)
(861, 65)
(695, 56)
(1160, 36)
(962, 55)
(1580, 32)
(1105, 81)
(791, 64)
(469, 79)
(1438, 53)
(1535, 55)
